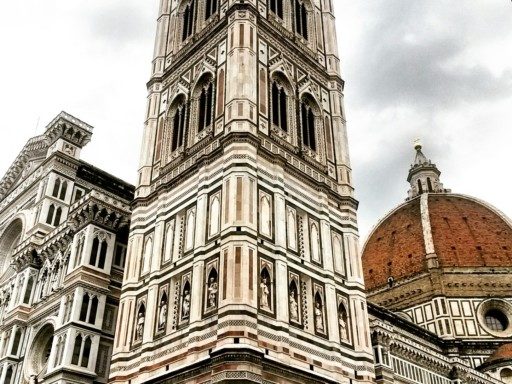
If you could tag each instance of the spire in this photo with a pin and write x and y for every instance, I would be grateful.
(424, 175)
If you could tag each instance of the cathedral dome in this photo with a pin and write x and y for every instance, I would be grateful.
(461, 231)
(435, 228)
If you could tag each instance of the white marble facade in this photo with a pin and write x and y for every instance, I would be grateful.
(61, 251)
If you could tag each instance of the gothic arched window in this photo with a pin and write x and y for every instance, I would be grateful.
(56, 188)
(188, 20)
(58, 215)
(276, 6)
(85, 308)
(211, 8)
(9, 375)
(28, 290)
(205, 107)
(301, 19)
(76, 350)
(308, 125)
(86, 353)
(279, 107)
(93, 310)
(51, 213)
(177, 119)
(420, 187)
(16, 343)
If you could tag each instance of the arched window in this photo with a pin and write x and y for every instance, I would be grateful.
(86, 353)
(301, 19)
(9, 375)
(420, 187)
(76, 350)
(279, 107)
(51, 212)
(93, 310)
(205, 107)
(79, 250)
(16, 343)
(178, 125)
(308, 125)
(188, 20)
(85, 308)
(56, 187)
(276, 6)
(94, 251)
(63, 190)
(28, 290)
(103, 254)
(58, 215)
(429, 185)
(211, 8)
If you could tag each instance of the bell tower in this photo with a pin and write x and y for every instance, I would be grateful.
(243, 261)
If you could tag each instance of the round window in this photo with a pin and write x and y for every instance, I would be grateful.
(506, 375)
(495, 317)
(496, 320)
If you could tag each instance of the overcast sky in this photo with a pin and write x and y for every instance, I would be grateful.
(438, 70)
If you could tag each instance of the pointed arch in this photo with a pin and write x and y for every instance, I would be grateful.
(28, 290)
(56, 187)
(282, 104)
(63, 190)
(343, 322)
(94, 251)
(315, 242)
(420, 187)
(187, 13)
(190, 229)
(338, 254)
(103, 254)
(202, 106)
(211, 8)
(147, 255)
(214, 226)
(276, 6)
(58, 215)
(265, 205)
(51, 212)
(86, 352)
(175, 126)
(9, 240)
(93, 310)
(292, 228)
(84, 308)
(75, 359)
(9, 375)
(16, 343)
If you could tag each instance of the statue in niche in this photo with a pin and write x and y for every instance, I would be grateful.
(294, 306)
(141, 319)
(162, 313)
(319, 318)
(265, 290)
(343, 327)
(213, 289)
(185, 310)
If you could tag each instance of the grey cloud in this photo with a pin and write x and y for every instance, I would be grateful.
(402, 61)
(118, 23)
